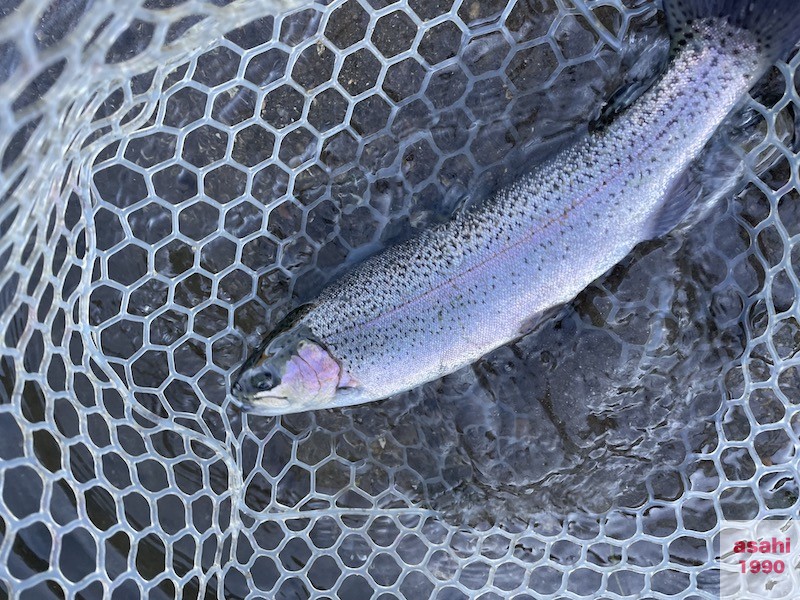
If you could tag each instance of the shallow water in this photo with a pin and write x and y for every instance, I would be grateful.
(613, 434)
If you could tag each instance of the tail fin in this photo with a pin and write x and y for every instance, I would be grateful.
(774, 23)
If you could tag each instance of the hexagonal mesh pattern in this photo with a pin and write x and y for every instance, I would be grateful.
(178, 175)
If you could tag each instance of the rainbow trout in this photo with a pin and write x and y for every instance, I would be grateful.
(443, 299)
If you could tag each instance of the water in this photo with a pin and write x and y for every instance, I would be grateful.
(262, 169)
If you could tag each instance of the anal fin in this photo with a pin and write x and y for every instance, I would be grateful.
(678, 201)
(718, 170)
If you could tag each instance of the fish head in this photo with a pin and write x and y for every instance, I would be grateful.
(292, 373)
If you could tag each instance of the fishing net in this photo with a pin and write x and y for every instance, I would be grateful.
(177, 175)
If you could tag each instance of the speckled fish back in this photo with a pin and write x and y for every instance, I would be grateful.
(443, 299)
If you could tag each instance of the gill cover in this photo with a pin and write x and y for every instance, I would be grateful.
(291, 371)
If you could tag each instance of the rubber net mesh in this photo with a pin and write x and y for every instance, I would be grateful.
(178, 175)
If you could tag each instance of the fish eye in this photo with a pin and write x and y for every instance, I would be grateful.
(255, 381)
(264, 381)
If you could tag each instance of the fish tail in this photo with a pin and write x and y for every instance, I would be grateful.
(775, 24)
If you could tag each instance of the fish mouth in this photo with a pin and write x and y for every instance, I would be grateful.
(271, 401)
(261, 403)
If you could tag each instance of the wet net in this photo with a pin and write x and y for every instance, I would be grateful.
(177, 175)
